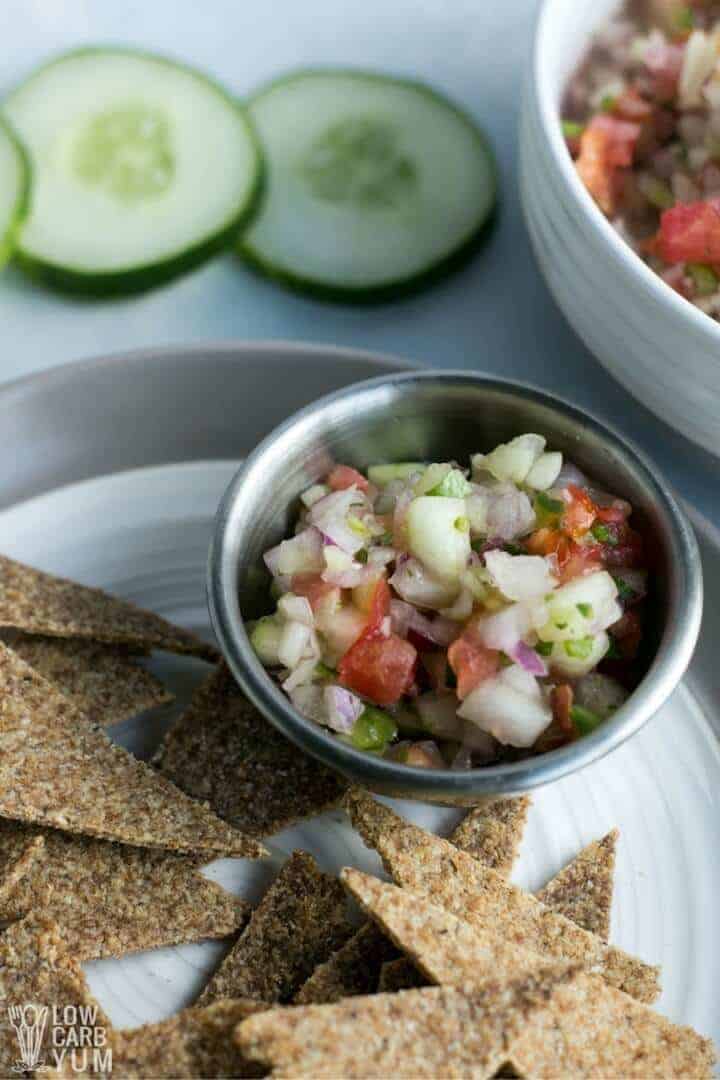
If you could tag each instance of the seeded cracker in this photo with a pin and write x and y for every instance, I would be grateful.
(454, 880)
(353, 969)
(100, 680)
(492, 833)
(40, 603)
(223, 751)
(37, 969)
(583, 889)
(616, 1037)
(57, 769)
(433, 1032)
(400, 974)
(196, 1043)
(109, 899)
(300, 921)
(17, 858)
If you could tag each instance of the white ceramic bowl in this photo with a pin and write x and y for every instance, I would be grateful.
(665, 351)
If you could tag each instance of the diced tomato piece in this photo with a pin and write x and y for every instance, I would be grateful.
(314, 588)
(580, 511)
(594, 168)
(379, 608)
(571, 560)
(690, 232)
(561, 700)
(472, 662)
(379, 668)
(343, 476)
(544, 541)
(630, 105)
(606, 145)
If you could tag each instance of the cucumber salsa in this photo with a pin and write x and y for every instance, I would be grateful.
(452, 617)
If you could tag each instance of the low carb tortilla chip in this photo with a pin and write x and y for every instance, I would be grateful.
(109, 899)
(436, 1031)
(582, 891)
(353, 969)
(224, 751)
(196, 1043)
(41, 603)
(400, 974)
(17, 858)
(492, 832)
(593, 1030)
(36, 971)
(300, 921)
(452, 879)
(616, 1036)
(102, 681)
(58, 769)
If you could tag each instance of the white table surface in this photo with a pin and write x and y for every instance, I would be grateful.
(496, 315)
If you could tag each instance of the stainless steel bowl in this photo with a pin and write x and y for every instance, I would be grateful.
(437, 416)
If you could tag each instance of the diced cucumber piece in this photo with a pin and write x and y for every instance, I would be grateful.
(511, 461)
(14, 189)
(143, 168)
(439, 535)
(584, 655)
(545, 471)
(373, 729)
(382, 475)
(265, 638)
(584, 606)
(375, 184)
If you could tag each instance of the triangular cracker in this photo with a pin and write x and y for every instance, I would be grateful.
(41, 603)
(400, 974)
(224, 751)
(102, 681)
(299, 922)
(492, 832)
(353, 969)
(109, 899)
(37, 972)
(17, 858)
(433, 1032)
(454, 880)
(583, 890)
(616, 1037)
(57, 769)
(195, 1043)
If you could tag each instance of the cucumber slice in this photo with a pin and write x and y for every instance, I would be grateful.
(375, 185)
(143, 168)
(14, 189)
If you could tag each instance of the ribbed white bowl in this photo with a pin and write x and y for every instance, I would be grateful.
(664, 350)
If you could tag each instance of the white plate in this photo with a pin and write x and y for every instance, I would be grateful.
(143, 534)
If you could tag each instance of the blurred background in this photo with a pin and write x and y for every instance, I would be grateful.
(494, 315)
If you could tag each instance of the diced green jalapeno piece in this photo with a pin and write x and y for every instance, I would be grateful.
(704, 278)
(613, 652)
(547, 509)
(571, 129)
(624, 591)
(580, 648)
(544, 648)
(322, 671)
(584, 720)
(605, 535)
(373, 729)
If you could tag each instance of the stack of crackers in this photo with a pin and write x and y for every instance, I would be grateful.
(450, 971)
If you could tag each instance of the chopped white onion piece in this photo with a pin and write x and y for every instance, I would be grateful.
(301, 675)
(511, 461)
(509, 514)
(337, 560)
(314, 494)
(545, 471)
(296, 609)
(699, 60)
(520, 577)
(381, 556)
(302, 554)
(413, 583)
(296, 644)
(510, 715)
(308, 700)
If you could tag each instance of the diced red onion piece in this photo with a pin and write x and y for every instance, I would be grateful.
(528, 659)
(341, 709)
(438, 631)
(570, 474)
(510, 513)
